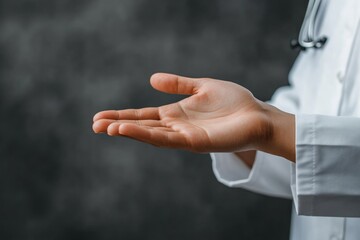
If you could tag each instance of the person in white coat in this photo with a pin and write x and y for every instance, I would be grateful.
(304, 144)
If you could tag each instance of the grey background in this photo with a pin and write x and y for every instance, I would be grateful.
(62, 61)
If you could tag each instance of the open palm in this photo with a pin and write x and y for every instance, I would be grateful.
(218, 116)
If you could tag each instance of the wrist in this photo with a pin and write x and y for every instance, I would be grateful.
(248, 157)
(281, 134)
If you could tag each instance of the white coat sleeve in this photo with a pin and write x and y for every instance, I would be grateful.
(325, 180)
(270, 174)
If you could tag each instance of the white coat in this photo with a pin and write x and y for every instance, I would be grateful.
(324, 95)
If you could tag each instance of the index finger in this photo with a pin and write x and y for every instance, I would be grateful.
(151, 113)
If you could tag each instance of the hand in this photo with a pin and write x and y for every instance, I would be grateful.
(219, 116)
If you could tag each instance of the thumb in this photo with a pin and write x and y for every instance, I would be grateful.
(170, 83)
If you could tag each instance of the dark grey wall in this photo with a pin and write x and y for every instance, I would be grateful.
(61, 61)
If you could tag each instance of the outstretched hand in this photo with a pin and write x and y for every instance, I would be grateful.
(218, 116)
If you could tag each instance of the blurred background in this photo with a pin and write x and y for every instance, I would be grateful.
(61, 61)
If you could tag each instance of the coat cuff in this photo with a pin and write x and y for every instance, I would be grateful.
(229, 169)
(232, 172)
(325, 179)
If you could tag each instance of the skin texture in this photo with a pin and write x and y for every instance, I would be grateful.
(218, 116)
